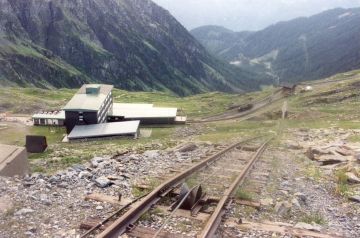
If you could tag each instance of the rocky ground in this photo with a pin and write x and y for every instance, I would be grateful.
(312, 184)
(53, 205)
(303, 193)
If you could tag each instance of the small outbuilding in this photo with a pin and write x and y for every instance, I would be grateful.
(105, 130)
(52, 118)
(13, 161)
(146, 113)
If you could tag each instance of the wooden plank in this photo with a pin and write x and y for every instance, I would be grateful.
(279, 228)
(105, 198)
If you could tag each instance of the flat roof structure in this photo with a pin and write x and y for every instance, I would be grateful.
(126, 128)
(90, 97)
(60, 115)
(141, 111)
(13, 160)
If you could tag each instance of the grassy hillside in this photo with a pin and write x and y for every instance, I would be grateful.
(329, 105)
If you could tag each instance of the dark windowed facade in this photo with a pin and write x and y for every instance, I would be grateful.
(90, 105)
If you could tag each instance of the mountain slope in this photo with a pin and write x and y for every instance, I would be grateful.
(133, 44)
(297, 50)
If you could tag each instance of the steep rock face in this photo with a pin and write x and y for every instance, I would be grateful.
(301, 49)
(133, 44)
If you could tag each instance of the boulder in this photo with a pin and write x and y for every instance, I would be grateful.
(85, 174)
(103, 182)
(96, 161)
(355, 198)
(332, 159)
(313, 153)
(281, 208)
(352, 178)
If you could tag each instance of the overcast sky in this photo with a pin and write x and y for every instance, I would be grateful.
(246, 14)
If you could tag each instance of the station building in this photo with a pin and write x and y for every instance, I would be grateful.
(91, 113)
(90, 105)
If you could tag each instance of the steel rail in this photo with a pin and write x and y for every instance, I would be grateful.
(110, 217)
(274, 98)
(215, 219)
(121, 224)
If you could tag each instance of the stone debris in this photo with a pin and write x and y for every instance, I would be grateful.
(310, 227)
(267, 202)
(103, 182)
(24, 211)
(355, 198)
(282, 208)
(352, 178)
(54, 204)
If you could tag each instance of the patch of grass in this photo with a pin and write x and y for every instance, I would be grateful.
(145, 217)
(69, 161)
(38, 169)
(314, 172)
(241, 194)
(137, 192)
(314, 217)
(342, 187)
(10, 212)
(192, 182)
(354, 138)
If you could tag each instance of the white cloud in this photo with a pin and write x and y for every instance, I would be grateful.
(246, 14)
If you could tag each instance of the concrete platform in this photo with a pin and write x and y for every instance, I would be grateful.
(13, 161)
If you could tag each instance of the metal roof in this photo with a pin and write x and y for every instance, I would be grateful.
(88, 102)
(105, 130)
(145, 111)
(59, 116)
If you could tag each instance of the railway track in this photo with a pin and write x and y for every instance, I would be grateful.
(235, 114)
(214, 183)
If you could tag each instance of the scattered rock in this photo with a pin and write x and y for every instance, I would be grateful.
(45, 200)
(151, 154)
(311, 152)
(352, 178)
(103, 182)
(5, 204)
(24, 211)
(99, 208)
(355, 198)
(96, 161)
(295, 202)
(306, 226)
(188, 148)
(332, 159)
(301, 198)
(292, 145)
(281, 208)
(85, 174)
(267, 202)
